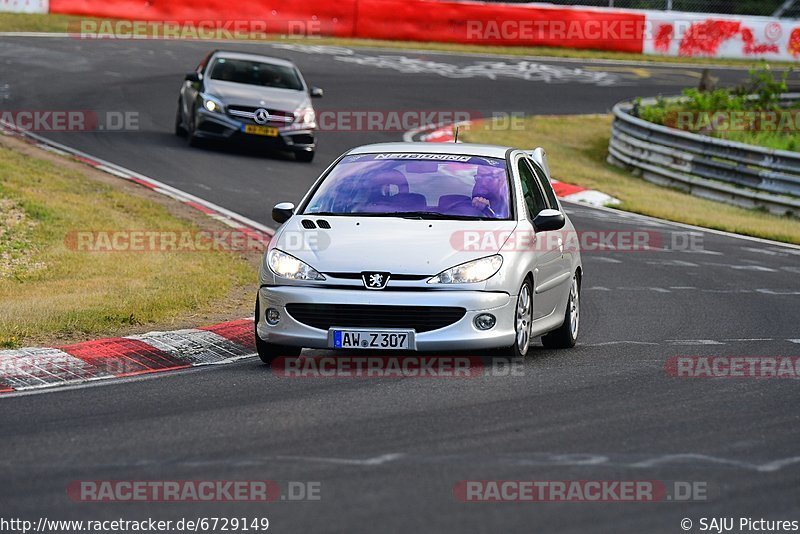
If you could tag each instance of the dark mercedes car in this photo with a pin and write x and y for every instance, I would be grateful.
(248, 97)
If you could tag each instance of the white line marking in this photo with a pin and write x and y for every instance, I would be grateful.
(378, 460)
(745, 339)
(757, 268)
(607, 343)
(629, 214)
(680, 458)
(694, 342)
(673, 263)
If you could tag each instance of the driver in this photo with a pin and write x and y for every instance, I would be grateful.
(487, 195)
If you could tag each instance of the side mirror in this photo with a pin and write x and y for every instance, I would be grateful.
(281, 212)
(316, 92)
(194, 77)
(549, 220)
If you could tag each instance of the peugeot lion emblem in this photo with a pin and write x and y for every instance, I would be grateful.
(373, 280)
(261, 116)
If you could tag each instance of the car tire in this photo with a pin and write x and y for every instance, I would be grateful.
(306, 156)
(180, 131)
(523, 319)
(566, 335)
(191, 138)
(269, 351)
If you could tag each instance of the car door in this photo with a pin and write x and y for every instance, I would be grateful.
(545, 254)
(547, 261)
(190, 90)
(565, 260)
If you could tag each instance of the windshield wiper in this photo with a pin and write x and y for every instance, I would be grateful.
(435, 215)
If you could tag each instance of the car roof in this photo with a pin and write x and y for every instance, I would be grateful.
(466, 149)
(253, 57)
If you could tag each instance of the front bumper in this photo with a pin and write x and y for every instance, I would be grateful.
(461, 335)
(217, 126)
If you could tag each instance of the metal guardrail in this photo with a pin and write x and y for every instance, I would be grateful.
(736, 173)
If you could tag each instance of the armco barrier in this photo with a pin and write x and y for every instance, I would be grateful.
(736, 173)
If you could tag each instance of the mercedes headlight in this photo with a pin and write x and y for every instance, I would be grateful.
(470, 272)
(211, 103)
(287, 266)
(306, 118)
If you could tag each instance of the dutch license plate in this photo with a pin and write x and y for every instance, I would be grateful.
(371, 339)
(266, 131)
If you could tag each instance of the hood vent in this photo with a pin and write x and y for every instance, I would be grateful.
(308, 224)
(324, 224)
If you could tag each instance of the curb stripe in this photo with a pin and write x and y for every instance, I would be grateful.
(154, 352)
(196, 347)
(563, 189)
(124, 356)
(39, 367)
(239, 332)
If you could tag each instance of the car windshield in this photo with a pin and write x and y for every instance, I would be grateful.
(415, 185)
(256, 73)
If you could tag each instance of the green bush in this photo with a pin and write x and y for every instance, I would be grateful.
(760, 97)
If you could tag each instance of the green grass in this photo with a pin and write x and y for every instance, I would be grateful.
(49, 290)
(16, 22)
(577, 147)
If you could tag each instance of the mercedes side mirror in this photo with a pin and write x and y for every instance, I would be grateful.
(194, 77)
(316, 92)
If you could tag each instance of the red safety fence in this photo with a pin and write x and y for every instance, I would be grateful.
(329, 18)
(405, 20)
(500, 24)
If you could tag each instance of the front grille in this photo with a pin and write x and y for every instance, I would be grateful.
(395, 277)
(248, 112)
(418, 318)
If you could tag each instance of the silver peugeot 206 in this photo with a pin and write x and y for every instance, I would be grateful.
(427, 247)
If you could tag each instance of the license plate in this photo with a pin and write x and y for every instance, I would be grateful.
(371, 339)
(267, 131)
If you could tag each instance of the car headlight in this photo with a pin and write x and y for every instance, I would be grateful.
(307, 118)
(212, 104)
(470, 272)
(287, 266)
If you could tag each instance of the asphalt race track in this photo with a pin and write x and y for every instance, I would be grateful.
(389, 452)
